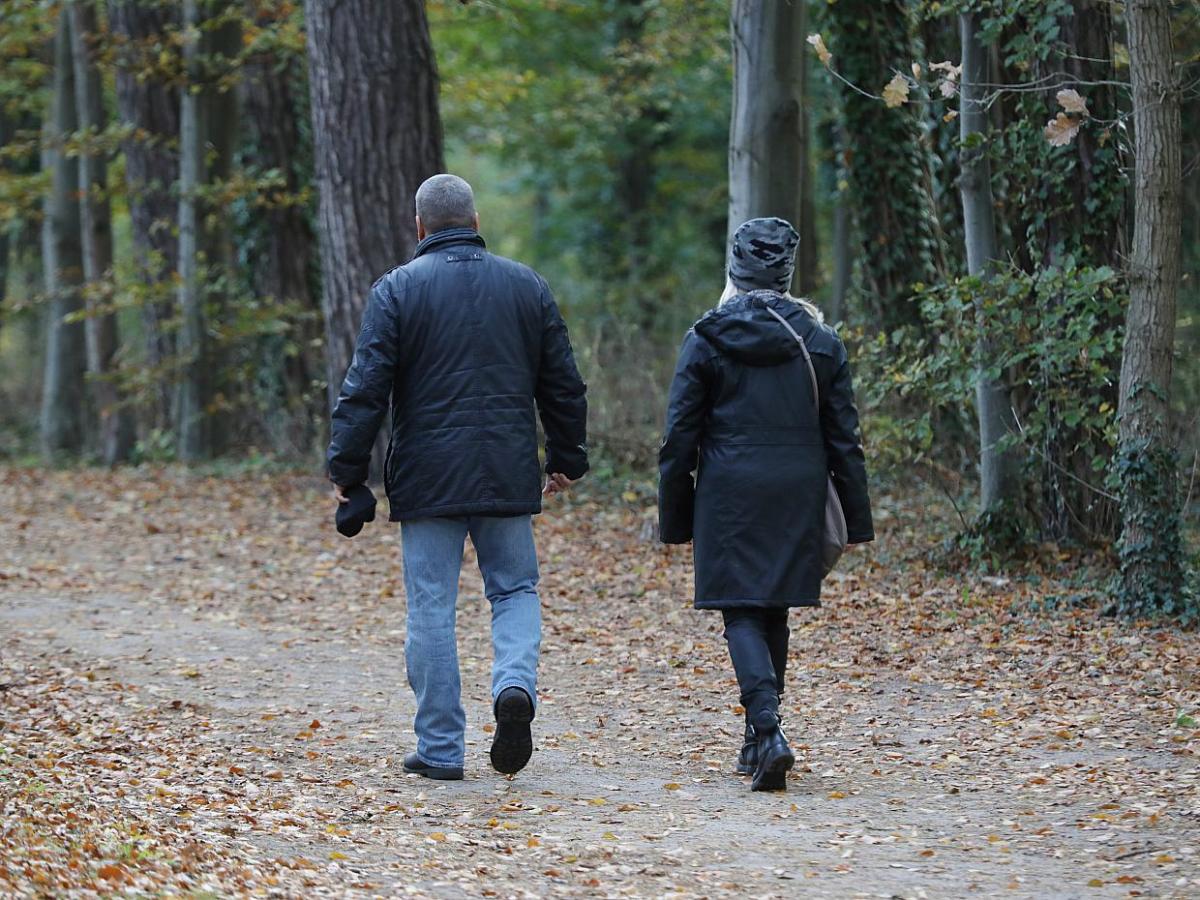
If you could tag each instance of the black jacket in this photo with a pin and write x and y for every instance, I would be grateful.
(464, 345)
(741, 416)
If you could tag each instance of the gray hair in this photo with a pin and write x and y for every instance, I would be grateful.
(445, 201)
(732, 290)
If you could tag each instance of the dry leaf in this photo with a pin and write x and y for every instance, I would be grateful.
(895, 93)
(818, 44)
(1061, 130)
(1071, 100)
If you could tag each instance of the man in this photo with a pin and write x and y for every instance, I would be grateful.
(465, 345)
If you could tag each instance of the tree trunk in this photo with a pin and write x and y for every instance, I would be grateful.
(999, 481)
(62, 428)
(149, 107)
(872, 40)
(1150, 548)
(377, 135)
(5, 136)
(219, 125)
(116, 437)
(191, 401)
(768, 133)
(283, 243)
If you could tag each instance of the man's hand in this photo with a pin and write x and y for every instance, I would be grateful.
(338, 493)
(556, 483)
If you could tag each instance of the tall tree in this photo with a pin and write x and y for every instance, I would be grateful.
(873, 42)
(279, 237)
(116, 437)
(219, 127)
(191, 422)
(999, 466)
(1150, 549)
(5, 132)
(145, 58)
(62, 426)
(377, 135)
(207, 138)
(769, 173)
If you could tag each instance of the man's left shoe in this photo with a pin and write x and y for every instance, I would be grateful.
(513, 744)
(414, 765)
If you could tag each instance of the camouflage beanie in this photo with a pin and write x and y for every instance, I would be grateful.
(763, 255)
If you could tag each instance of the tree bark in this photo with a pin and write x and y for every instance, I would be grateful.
(116, 433)
(999, 482)
(62, 425)
(377, 135)
(220, 122)
(1150, 548)
(5, 136)
(191, 401)
(149, 107)
(871, 41)
(769, 173)
(283, 242)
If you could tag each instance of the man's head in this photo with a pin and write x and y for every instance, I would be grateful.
(445, 201)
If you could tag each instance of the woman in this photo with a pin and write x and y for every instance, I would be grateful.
(742, 417)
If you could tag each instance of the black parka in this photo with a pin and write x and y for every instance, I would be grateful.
(464, 345)
(741, 417)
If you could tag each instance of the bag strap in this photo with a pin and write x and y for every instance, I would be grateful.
(807, 359)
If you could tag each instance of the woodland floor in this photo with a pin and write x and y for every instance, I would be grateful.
(202, 694)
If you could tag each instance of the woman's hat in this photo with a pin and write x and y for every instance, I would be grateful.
(763, 255)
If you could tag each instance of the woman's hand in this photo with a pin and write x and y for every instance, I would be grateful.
(556, 483)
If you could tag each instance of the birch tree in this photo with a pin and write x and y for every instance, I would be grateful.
(999, 473)
(116, 426)
(62, 424)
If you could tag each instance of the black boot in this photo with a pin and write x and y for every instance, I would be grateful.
(512, 744)
(747, 760)
(414, 765)
(775, 757)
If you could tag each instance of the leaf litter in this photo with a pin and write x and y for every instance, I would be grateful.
(202, 692)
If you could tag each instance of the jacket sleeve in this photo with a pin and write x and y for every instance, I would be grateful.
(844, 451)
(679, 455)
(366, 392)
(561, 396)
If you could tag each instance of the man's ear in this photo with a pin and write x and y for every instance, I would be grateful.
(420, 230)
(476, 221)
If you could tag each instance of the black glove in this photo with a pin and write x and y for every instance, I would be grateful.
(360, 509)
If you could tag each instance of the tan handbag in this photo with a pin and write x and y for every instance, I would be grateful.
(833, 543)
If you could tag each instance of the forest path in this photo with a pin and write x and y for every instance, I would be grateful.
(232, 683)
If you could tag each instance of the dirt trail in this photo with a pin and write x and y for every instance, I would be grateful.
(944, 752)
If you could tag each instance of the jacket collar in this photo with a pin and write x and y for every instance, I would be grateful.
(446, 237)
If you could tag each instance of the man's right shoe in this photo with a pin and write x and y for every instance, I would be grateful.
(747, 760)
(775, 757)
(415, 766)
(513, 744)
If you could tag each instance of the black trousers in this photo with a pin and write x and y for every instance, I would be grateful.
(758, 646)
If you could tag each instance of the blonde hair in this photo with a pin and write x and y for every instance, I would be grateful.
(732, 290)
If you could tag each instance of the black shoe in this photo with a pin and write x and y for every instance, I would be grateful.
(413, 764)
(775, 757)
(513, 744)
(747, 760)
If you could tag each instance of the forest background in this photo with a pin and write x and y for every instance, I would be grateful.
(195, 197)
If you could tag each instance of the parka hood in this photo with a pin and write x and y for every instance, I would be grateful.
(743, 330)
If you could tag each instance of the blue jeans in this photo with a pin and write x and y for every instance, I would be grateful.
(433, 554)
